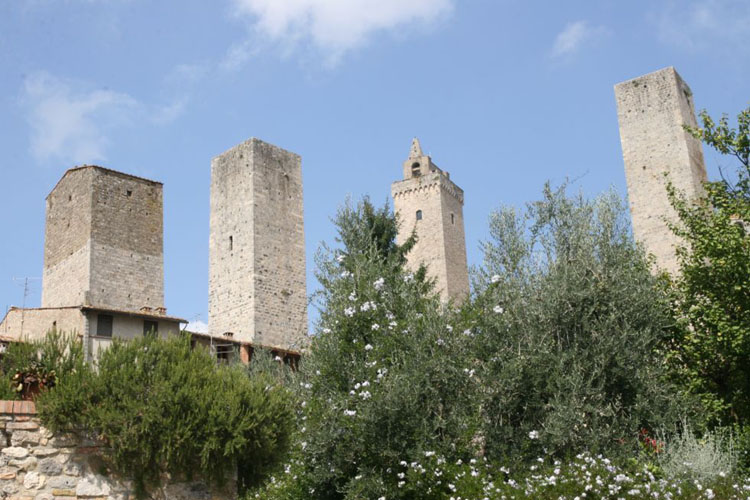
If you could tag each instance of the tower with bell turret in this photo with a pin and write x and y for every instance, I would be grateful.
(428, 202)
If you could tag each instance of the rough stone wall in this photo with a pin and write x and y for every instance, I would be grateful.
(127, 264)
(32, 324)
(67, 241)
(104, 241)
(37, 465)
(652, 110)
(257, 286)
(441, 243)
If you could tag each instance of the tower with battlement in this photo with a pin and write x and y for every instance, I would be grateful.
(428, 202)
(257, 292)
(652, 110)
(103, 244)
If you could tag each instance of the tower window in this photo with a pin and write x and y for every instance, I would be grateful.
(130, 193)
(419, 215)
(415, 172)
(453, 219)
(231, 243)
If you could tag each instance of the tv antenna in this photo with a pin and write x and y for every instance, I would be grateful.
(26, 293)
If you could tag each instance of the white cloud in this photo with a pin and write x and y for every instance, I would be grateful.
(72, 122)
(197, 326)
(574, 36)
(69, 123)
(706, 24)
(335, 26)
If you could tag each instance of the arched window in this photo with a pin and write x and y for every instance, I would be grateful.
(415, 172)
(419, 215)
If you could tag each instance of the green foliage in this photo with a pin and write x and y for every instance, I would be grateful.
(29, 366)
(385, 379)
(710, 349)
(705, 459)
(568, 320)
(163, 407)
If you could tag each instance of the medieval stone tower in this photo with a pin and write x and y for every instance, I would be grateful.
(104, 241)
(652, 110)
(427, 201)
(257, 247)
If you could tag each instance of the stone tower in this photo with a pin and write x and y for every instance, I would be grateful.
(652, 110)
(427, 201)
(103, 243)
(257, 247)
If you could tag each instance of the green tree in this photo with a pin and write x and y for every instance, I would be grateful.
(710, 348)
(385, 379)
(568, 321)
(163, 407)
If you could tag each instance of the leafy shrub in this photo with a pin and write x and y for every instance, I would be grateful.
(162, 407)
(569, 321)
(703, 459)
(28, 367)
(387, 377)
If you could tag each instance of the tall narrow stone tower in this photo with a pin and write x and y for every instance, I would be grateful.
(104, 241)
(257, 247)
(427, 201)
(652, 110)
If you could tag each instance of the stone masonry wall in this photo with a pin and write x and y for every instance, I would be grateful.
(33, 324)
(37, 465)
(127, 264)
(104, 241)
(441, 243)
(651, 111)
(66, 241)
(257, 286)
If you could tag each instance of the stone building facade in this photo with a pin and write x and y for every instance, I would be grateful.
(38, 465)
(257, 290)
(103, 272)
(651, 111)
(428, 202)
(104, 241)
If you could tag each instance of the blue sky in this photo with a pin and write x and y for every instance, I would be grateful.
(504, 94)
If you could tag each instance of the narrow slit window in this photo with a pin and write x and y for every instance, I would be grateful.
(419, 215)
(231, 243)
(453, 218)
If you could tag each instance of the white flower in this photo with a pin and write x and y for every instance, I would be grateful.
(345, 274)
(709, 493)
(277, 358)
(498, 309)
(350, 413)
(340, 258)
(368, 347)
(379, 283)
(408, 278)
(429, 453)
(365, 395)
(534, 435)
(326, 330)
(366, 383)
(495, 278)
(449, 328)
(375, 326)
(349, 311)
(440, 342)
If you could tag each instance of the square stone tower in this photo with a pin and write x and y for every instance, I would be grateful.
(257, 247)
(427, 201)
(652, 110)
(103, 244)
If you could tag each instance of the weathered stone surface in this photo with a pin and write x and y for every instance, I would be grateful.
(45, 452)
(44, 496)
(426, 200)
(64, 493)
(29, 425)
(20, 438)
(27, 463)
(257, 253)
(93, 485)
(15, 452)
(652, 110)
(62, 482)
(72, 469)
(49, 466)
(33, 481)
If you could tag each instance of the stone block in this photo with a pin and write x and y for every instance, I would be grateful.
(19, 438)
(93, 485)
(33, 481)
(49, 466)
(15, 452)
